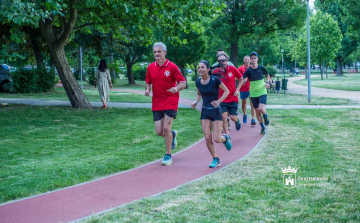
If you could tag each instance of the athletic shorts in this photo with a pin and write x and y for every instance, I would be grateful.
(244, 94)
(257, 100)
(212, 114)
(231, 107)
(158, 115)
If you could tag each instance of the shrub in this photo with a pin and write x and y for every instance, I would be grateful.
(90, 74)
(271, 70)
(139, 72)
(33, 80)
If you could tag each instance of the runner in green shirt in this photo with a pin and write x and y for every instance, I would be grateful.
(258, 94)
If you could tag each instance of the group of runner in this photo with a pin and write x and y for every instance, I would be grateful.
(219, 92)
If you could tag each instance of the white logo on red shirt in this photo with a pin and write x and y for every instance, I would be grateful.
(167, 73)
(230, 74)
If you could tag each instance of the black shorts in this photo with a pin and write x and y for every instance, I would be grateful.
(257, 100)
(213, 114)
(231, 107)
(158, 115)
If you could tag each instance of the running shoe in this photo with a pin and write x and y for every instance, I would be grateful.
(167, 160)
(253, 122)
(227, 143)
(244, 118)
(215, 163)
(266, 119)
(174, 142)
(238, 125)
(263, 131)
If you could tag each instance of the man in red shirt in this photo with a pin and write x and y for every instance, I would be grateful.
(245, 92)
(227, 75)
(163, 76)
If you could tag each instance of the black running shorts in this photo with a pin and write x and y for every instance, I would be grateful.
(257, 100)
(213, 114)
(158, 115)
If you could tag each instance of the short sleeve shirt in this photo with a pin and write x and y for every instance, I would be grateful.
(210, 91)
(246, 86)
(256, 78)
(230, 83)
(162, 78)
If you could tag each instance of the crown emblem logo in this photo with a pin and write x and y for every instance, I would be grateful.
(289, 170)
(289, 177)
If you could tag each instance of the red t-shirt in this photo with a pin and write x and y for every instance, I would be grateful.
(162, 79)
(229, 82)
(246, 86)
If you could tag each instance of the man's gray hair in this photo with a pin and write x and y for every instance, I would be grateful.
(163, 47)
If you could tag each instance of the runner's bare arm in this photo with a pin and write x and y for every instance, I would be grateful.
(181, 86)
(198, 98)
(147, 89)
(225, 94)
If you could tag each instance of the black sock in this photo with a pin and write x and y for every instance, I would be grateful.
(168, 154)
(262, 125)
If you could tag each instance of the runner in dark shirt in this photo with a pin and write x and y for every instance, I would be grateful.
(211, 116)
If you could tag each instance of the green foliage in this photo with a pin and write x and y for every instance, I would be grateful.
(271, 70)
(351, 9)
(90, 75)
(32, 80)
(139, 72)
(325, 39)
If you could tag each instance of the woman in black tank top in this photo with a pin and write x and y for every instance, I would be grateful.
(211, 115)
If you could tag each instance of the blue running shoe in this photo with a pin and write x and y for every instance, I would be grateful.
(263, 131)
(238, 125)
(227, 143)
(167, 160)
(266, 119)
(244, 118)
(174, 142)
(253, 122)
(215, 163)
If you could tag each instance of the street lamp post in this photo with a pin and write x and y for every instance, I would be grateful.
(308, 53)
(282, 63)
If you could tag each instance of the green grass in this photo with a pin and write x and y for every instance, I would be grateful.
(48, 148)
(348, 82)
(251, 189)
(92, 95)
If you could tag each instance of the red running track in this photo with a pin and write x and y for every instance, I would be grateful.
(86, 199)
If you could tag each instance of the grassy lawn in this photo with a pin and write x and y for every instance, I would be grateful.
(251, 189)
(348, 82)
(48, 148)
(91, 93)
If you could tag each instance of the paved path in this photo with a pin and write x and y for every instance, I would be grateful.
(331, 93)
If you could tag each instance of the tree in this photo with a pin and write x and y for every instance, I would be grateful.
(348, 43)
(58, 19)
(247, 17)
(190, 52)
(351, 9)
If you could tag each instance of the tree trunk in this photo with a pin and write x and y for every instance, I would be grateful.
(112, 70)
(234, 54)
(35, 46)
(56, 43)
(356, 67)
(183, 72)
(339, 71)
(130, 73)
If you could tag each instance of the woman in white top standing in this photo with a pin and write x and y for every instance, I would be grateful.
(103, 79)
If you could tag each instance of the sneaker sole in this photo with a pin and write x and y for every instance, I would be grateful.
(215, 166)
(166, 164)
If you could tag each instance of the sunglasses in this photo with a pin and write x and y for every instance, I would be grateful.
(221, 61)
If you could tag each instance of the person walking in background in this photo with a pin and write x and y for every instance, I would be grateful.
(162, 76)
(258, 93)
(211, 117)
(244, 92)
(103, 79)
(228, 75)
